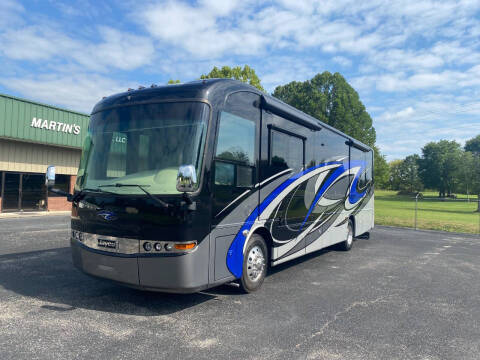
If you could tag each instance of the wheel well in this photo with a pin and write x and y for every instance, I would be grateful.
(352, 219)
(265, 234)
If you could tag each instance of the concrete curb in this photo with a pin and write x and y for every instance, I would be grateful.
(24, 214)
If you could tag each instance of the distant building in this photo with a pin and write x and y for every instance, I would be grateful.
(33, 136)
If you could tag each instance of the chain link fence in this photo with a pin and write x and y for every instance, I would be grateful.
(459, 215)
(427, 211)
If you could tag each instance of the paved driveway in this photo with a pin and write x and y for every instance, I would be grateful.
(400, 295)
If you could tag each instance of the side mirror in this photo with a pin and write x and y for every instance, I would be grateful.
(50, 182)
(50, 176)
(186, 178)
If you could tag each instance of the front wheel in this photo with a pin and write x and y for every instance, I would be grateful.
(346, 245)
(254, 264)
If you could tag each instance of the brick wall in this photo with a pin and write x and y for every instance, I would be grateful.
(73, 179)
(58, 204)
(61, 203)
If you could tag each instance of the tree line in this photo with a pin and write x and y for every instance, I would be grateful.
(444, 166)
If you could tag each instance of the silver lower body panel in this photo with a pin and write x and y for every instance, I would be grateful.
(178, 273)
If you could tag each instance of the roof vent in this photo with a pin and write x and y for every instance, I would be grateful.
(141, 87)
(129, 89)
(153, 85)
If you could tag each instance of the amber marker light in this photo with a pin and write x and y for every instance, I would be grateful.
(187, 246)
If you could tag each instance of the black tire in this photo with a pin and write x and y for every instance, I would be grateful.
(346, 245)
(254, 269)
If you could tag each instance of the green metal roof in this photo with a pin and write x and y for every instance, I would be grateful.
(31, 121)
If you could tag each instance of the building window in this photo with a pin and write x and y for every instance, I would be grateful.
(62, 182)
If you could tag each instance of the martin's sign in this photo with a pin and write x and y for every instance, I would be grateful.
(55, 126)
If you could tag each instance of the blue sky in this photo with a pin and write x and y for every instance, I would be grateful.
(415, 64)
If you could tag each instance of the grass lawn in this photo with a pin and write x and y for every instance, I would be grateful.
(434, 214)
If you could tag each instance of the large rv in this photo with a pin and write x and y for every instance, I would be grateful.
(186, 187)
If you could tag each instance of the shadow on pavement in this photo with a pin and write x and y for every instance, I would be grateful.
(49, 276)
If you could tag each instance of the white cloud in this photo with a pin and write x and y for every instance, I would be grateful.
(10, 13)
(444, 80)
(343, 61)
(280, 70)
(202, 30)
(77, 92)
(120, 50)
(302, 6)
(399, 115)
(221, 8)
(34, 43)
(247, 28)
(403, 60)
(39, 43)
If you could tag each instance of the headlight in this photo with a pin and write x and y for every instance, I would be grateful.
(147, 246)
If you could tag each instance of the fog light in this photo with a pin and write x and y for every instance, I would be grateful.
(168, 247)
(147, 246)
(158, 246)
(188, 246)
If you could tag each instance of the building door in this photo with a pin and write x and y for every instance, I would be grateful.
(33, 192)
(11, 192)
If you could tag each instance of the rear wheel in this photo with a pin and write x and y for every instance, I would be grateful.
(254, 264)
(346, 245)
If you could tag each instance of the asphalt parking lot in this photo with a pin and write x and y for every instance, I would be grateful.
(402, 294)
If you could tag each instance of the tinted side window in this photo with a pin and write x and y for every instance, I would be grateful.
(236, 150)
(330, 146)
(236, 139)
(286, 151)
(369, 169)
(363, 157)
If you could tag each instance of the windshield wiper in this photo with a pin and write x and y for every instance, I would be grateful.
(141, 187)
(82, 192)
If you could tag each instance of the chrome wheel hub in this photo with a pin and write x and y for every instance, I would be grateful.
(255, 263)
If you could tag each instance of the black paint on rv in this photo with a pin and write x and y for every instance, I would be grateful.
(263, 170)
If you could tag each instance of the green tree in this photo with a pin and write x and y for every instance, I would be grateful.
(440, 166)
(404, 174)
(245, 74)
(395, 179)
(475, 176)
(381, 170)
(329, 98)
(410, 175)
(473, 145)
(465, 171)
(472, 166)
(171, 82)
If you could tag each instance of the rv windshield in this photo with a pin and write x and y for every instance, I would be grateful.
(143, 145)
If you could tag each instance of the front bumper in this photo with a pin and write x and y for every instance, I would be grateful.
(178, 273)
